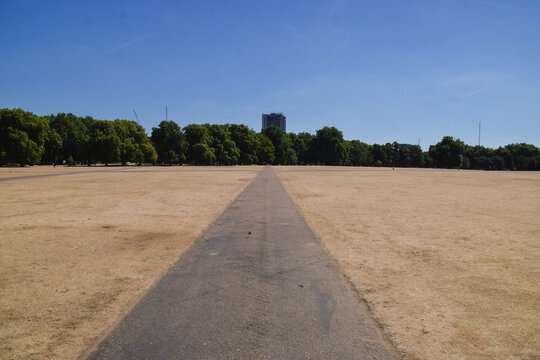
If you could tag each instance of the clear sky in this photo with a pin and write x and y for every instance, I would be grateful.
(379, 70)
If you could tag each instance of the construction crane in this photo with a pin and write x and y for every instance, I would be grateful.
(136, 117)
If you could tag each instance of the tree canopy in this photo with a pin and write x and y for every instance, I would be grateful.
(170, 143)
(29, 139)
(448, 153)
(23, 136)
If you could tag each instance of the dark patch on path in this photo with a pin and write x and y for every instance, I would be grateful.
(256, 285)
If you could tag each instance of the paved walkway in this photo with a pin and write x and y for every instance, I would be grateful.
(256, 285)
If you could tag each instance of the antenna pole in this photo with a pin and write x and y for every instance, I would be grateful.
(479, 129)
(136, 117)
(166, 114)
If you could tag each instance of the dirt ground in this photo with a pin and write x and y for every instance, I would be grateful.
(448, 261)
(78, 250)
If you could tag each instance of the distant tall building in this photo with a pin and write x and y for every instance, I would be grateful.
(276, 119)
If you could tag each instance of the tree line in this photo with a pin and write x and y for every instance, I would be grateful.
(26, 138)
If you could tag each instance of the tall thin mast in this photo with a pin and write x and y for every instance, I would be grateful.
(136, 117)
(479, 130)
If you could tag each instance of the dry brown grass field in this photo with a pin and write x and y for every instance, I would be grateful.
(448, 261)
(78, 250)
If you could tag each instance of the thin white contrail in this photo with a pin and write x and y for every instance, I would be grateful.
(473, 93)
(125, 45)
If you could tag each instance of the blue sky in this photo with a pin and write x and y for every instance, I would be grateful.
(380, 71)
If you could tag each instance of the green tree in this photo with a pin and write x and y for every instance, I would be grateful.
(283, 147)
(53, 148)
(358, 153)
(19, 148)
(524, 156)
(226, 151)
(169, 142)
(149, 152)
(75, 135)
(416, 156)
(199, 134)
(22, 136)
(392, 149)
(104, 144)
(129, 151)
(132, 139)
(202, 154)
(265, 150)
(448, 153)
(406, 155)
(247, 142)
(379, 155)
(478, 157)
(428, 160)
(302, 145)
(329, 147)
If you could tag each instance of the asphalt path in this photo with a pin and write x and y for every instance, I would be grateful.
(256, 285)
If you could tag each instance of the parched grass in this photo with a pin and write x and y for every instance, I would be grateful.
(448, 261)
(78, 250)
